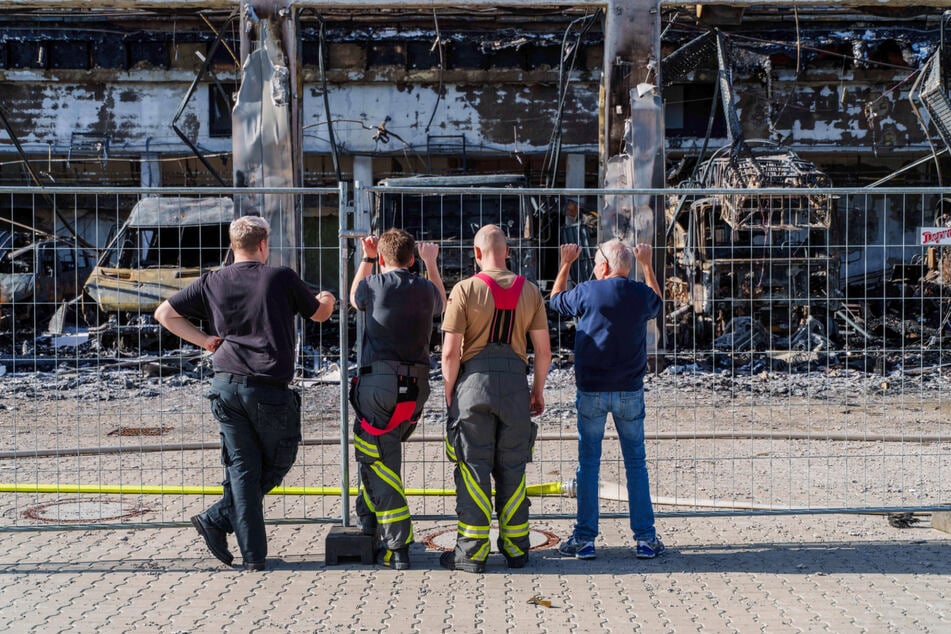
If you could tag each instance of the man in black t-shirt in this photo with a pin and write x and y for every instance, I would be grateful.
(393, 384)
(250, 309)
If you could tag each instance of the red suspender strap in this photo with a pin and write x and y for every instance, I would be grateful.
(506, 299)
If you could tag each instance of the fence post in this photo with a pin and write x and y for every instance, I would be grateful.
(346, 210)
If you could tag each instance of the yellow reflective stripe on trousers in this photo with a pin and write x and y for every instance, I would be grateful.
(450, 450)
(389, 476)
(511, 549)
(366, 498)
(513, 504)
(520, 530)
(473, 532)
(364, 447)
(396, 515)
(482, 554)
(475, 492)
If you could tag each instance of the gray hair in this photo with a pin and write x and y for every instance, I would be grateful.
(619, 257)
(247, 232)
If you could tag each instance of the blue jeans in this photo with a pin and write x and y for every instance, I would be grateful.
(627, 409)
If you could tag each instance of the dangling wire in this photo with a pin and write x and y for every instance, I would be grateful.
(438, 44)
(798, 69)
(553, 153)
(323, 85)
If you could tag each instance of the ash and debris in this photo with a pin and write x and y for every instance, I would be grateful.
(79, 372)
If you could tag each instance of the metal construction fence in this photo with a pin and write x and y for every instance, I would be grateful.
(799, 364)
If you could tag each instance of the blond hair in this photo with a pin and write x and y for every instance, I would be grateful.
(247, 232)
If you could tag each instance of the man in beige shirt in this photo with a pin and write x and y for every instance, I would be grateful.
(490, 433)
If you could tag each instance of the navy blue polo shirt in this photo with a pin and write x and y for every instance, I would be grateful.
(611, 339)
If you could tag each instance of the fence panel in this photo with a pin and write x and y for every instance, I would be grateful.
(103, 416)
(799, 365)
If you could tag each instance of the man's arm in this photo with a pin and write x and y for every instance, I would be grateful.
(326, 309)
(643, 253)
(364, 268)
(428, 251)
(451, 361)
(569, 253)
(542, 346)
(181, 327)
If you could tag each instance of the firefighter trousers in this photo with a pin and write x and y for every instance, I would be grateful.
(490, 435)
(376, 393)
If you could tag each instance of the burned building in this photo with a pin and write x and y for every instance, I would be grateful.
(145, 94)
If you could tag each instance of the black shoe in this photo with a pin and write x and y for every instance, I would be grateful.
(215, 539)
(254, 566)
(397, 559)
(448, 561)
(367, 525)
(517, 562)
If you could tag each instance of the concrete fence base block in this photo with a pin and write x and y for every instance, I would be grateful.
(941, 520)
(348, 544)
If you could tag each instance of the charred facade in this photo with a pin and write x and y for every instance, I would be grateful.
(749, 97)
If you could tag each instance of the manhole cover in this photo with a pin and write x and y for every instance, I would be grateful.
(139, 431)
(84, 511)
(445, 539)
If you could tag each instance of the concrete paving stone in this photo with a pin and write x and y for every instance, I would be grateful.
(730, 574)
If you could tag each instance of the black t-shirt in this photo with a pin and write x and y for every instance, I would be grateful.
(399, 308)
(252, 307)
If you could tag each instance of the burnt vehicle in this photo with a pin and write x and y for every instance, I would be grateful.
(165, 244)
(748, 270)
(37, 276)
(745, 268)
(452, 220)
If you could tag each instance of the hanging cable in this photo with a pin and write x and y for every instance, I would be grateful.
(552, 154)
(323, 86)
(798, 68)
(438, 45)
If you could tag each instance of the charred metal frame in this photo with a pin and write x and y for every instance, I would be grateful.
(205, 69)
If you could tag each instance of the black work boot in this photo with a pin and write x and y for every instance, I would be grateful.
(215, 539)
(397, 559)
(517, 562)
(449, 561)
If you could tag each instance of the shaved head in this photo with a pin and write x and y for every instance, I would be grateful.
(491, 239)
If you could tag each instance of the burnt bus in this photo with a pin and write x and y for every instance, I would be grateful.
(766, 259)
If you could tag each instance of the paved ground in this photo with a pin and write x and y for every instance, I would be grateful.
(751, 574)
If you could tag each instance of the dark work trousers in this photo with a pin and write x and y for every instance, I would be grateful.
(380, 456)
(490, 433)
(260, 432)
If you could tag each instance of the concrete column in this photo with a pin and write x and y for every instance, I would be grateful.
(150, 174)
(363, 170)
(632, 119)
(574, 171)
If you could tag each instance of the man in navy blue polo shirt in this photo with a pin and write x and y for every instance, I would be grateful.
(611, 314)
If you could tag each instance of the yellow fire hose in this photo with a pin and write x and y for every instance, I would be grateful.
(548, 488)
